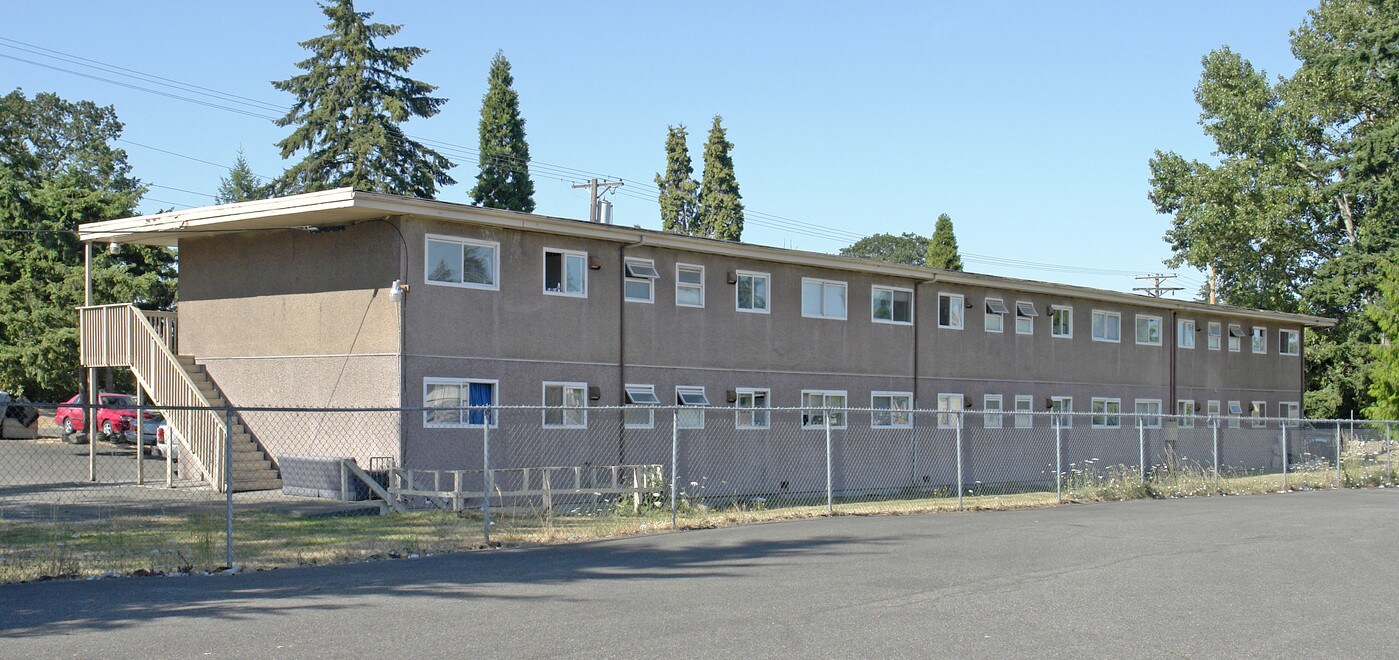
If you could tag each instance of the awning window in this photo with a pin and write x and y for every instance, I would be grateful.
(1026, 309)
(995, 306)
(642, 396)
(1236, 331)
(641, 269)
(691, 397)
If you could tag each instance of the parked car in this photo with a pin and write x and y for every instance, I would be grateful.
(161, 443)
(116, 419)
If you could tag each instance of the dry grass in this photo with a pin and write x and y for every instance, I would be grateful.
(31, 550)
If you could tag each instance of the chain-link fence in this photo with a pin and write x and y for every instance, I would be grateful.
(279, 487)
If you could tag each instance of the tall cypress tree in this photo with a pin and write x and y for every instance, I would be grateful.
(349, 104)
(942, 248)
(720, 204)
(679, 191)
(504, 181)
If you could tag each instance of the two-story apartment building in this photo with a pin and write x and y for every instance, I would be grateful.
(354, 299)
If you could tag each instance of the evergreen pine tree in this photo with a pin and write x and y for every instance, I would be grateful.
(504, 181)
(679, 191)
(241, 185)
(942, 249)
(720, 204)
(349, 105)
(1384, 372)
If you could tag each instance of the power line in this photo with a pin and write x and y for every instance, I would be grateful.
(641, 190)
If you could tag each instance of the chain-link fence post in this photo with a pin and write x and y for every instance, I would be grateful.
(1388, 454)
(1058, 462)
(1215, 440)
(1338, 451)
(90, 423)
(140, 435)
(674, 462)
(228, 482)
(1141, 452)
(1282, 440)
(486, 475)
(830, 494)
(960, 487)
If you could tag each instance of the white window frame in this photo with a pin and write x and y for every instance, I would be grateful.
(1185, 413)
(1258, 414)
(1106, 316)
(1148, 418)
(688, 286)
(759, 417)
(463, 384)
(754, 276)
(1234, 417)
(634, 408)
(1291, 413)
(1235, 343)
(946, 418)
(893, 412)
(891, 290)
(1068, 314)
(956, 310)
(1185, 333)
(494, 284)
(1214, 412)
(992, 411)
(816, 420)
(1290, 338)
(1025, 311)
(649, 281)
(1063, 408)
(1214, 335)
(1111, 419)
(999, 317)
(1024, 415)
(1136, 329)
(564, 410)
(564, 256)
(690, 419)
(1258, 340)
(825, 314)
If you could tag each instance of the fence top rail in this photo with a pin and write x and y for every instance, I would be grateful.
(1201, 420)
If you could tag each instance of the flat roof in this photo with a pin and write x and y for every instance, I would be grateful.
(346, 205)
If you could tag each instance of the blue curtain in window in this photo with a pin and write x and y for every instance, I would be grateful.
(479, 394)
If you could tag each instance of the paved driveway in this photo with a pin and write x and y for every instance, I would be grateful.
(1299, 575)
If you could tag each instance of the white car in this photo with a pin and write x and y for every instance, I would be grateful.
(161, 443)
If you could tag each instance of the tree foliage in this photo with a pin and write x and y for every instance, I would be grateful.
(679, 192)
(58, 170)
(1384, 377)
(942, 247)
(720, 204)
(241, 185)
(503, 182)
(350, 104)
(908, 248)
(1298, 213)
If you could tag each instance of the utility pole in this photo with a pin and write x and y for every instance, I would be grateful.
(1212, 297)
(1156, 289)
(594, 214)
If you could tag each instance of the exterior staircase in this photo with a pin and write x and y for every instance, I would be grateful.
(252, 470)
(203, 424)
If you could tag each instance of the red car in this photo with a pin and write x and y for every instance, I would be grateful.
(117, 419)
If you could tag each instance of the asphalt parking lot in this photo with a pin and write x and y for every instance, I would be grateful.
(1296, 575)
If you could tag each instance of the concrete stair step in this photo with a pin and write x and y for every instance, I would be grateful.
(244, 486)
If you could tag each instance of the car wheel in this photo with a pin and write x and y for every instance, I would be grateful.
(107, 433)
(68, 426)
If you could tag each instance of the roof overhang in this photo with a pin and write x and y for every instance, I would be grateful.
(346, 206)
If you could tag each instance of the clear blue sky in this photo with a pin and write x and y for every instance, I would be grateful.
(1030, 123)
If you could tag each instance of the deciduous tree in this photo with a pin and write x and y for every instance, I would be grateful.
(908, 248)
(58, 169)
